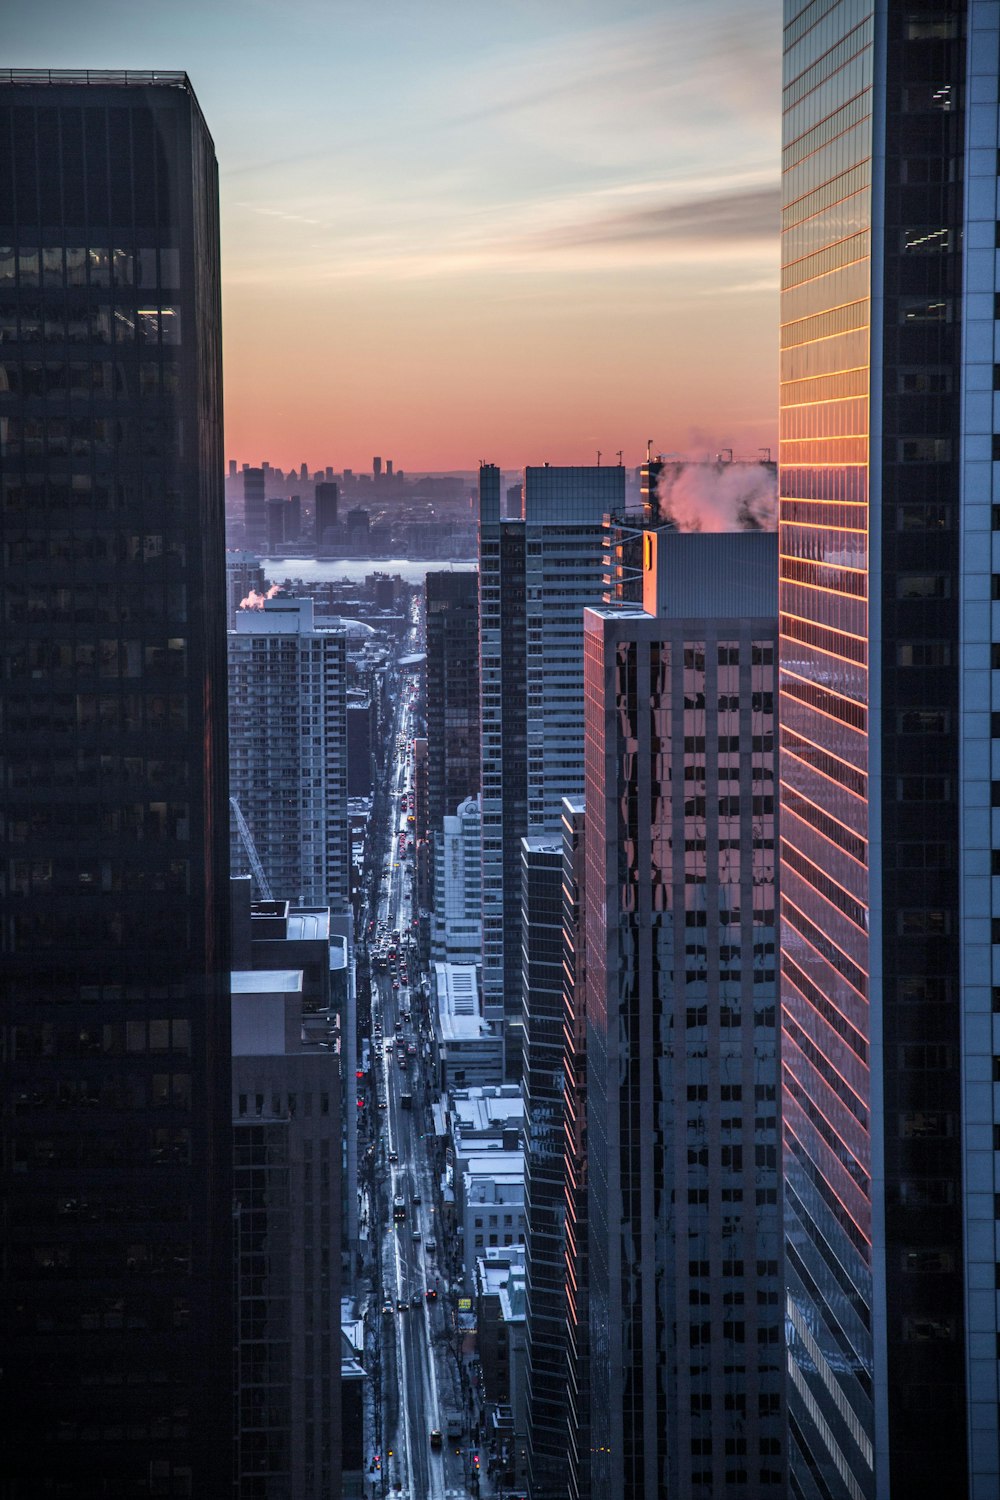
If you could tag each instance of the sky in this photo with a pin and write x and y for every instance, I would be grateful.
(455, 230)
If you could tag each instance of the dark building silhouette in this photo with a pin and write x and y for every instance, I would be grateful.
(254, 510)
(576, 1278)
(326, 512)
(115, 1183)
(544, 1194)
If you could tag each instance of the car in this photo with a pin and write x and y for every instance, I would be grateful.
(436, 1439)
(402, 1305)
(416, 1200)
(387, 1306)
(381, 1104)
(431, 1244)
(416, 1299)
(411, 1050)
(394, 1157)
(430, 1295)
(395, 984)
(416, 1236)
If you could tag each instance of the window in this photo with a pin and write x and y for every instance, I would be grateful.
(925, 310)
(923, 586)
(924, 450)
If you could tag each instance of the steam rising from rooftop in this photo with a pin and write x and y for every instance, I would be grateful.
(254, 600)
(719, 496)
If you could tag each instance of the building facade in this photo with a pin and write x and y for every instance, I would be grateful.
(457, 927)
(544, 1196)
(452, 616)
(536, 575)
(288, 749)
(115, 1182)
(576, 1273)
(286, 1112)
(888, 959)
(686, 1367)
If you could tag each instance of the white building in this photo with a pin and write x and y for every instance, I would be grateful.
(468, 1049)
(458, 887)
(492, 1204)
(288, 749)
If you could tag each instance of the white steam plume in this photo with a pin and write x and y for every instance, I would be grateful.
(720, 497)
(254, 600)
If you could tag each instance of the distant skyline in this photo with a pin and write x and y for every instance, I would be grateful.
(454, 231)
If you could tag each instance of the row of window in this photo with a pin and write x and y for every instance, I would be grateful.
(73, 266)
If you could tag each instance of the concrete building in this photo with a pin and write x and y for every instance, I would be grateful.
(686, 1357)
(536, 575)
(244, 575)
(457, 926)
(490, 1205)
(286, 1093)
(468, 1050)
(115, 1168)
(288, 749)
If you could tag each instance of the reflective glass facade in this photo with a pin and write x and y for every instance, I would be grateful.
(115, 1184)
(536, 575)
(870, 597)
(679, 921)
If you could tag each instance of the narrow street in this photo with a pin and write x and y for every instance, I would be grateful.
(416, 1365)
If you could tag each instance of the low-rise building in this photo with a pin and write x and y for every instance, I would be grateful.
(491, 1205)
(468, 1050)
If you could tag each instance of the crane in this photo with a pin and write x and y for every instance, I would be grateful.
(247, 837)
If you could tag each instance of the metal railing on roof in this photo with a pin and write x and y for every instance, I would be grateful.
(122, 78)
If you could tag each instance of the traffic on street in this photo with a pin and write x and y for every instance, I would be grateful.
(419, 1440)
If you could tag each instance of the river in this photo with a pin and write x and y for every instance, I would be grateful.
(357, 569)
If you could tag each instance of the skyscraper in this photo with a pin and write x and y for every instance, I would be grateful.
(542, 1088)
(254, 510)
(889, 969)
(536, 575)
(575, 1234)
(288, 749)
(452, 693)
(115, 1182)
(686, 1367)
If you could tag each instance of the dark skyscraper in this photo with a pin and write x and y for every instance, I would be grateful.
(254, 510)
(326, 511)
(544, 1198)
(681, 1054)
(889, 714)
(115, 1184)
(452, 693)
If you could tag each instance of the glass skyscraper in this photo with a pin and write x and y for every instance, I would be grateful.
(889, 974)
(115, 1181)
(537, 573)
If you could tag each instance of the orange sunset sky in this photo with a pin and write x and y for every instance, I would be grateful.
(455, 231)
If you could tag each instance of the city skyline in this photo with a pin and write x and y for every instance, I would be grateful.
(531, 190)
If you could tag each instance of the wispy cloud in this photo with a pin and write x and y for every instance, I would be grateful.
(750, 214)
